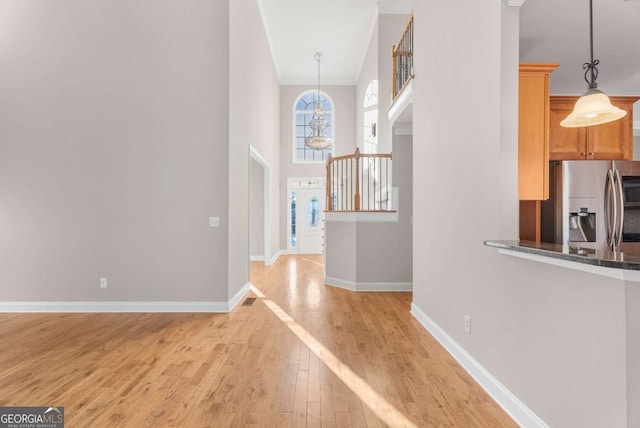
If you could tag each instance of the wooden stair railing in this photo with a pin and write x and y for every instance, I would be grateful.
(359, 182)
(402, 54)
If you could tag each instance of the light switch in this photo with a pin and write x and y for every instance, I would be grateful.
(214, 221)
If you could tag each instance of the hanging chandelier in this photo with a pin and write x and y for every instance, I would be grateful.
(317, 139)
(593, 107)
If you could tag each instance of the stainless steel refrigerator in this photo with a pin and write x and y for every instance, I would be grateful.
(593, 204)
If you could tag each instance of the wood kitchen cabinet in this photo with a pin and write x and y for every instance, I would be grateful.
(533, 145)
(533, 131)
(610, 141)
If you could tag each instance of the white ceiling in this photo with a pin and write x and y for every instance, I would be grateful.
(550, 31)
(340, 29)
(558, 31)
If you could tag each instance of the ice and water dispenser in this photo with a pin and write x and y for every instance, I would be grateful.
(582, 220)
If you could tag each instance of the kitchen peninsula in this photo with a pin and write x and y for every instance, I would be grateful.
(569, 253)
(612, 279)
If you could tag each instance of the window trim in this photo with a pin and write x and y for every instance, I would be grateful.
(294, 158)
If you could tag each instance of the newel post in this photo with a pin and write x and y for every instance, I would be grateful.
(356, 198)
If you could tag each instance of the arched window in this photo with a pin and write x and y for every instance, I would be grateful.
(302, 113)
(370, 105)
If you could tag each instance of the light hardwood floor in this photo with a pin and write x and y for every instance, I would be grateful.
(364, 362)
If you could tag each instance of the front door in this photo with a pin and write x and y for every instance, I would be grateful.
(310, 219)
(306, 218)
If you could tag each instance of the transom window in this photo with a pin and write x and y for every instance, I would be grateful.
(302, 113)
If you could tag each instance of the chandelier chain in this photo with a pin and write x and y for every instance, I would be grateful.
(317, 139)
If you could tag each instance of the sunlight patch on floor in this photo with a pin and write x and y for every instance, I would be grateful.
(311, 261)
(378, 404)
(256, 291)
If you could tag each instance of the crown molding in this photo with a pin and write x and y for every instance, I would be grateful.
(516, 3)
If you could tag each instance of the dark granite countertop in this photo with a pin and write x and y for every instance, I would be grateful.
(571, 253)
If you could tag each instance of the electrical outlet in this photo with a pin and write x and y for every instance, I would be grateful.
(467, 324)
(214, 221)
(103, 282)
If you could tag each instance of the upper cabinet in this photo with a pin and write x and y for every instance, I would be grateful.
(613, 140)
(533, 131)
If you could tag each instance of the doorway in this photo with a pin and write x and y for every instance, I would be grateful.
(259, 208)
(305, 215)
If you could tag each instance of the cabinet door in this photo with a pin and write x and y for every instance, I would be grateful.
(533, 131)
(564, 143)
(605, 141)
(611, 140)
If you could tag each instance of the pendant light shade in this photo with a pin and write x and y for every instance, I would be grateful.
(318, 140)
(593, 107)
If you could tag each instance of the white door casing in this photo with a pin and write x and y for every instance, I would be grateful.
(255, 155)
(309, 214)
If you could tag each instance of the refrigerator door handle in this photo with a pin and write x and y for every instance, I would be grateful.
(610, 214)
(620, 202)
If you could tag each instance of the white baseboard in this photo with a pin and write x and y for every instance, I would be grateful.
(368, 286)
(220, 307)
(233, 302)
(515, 408)
(256, 258)
(340, 283)
(83, 307)
(275, 258)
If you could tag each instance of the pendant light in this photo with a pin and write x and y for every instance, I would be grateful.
(593, 107)
(317, 139)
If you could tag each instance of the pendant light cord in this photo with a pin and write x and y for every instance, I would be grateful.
(591, 67)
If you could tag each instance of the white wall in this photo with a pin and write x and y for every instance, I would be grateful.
(632, 311)
(547, 333)
(384, 250)
(368, 72)
(114, 150)
(390, 28)
(344, 99)
(256, 210)
(375, 255)
(509, 83)
(117, 146)
(378, 64)
(253, 120)
(340, 259)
